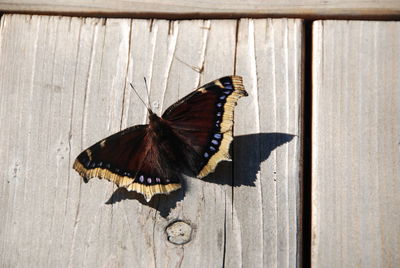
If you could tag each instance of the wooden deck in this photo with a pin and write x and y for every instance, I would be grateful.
(64, 87)
(323, 107)
(183, 9)
(356, 172)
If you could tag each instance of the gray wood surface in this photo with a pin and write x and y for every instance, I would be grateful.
(64, 86)
(356, 120)
(173, 9)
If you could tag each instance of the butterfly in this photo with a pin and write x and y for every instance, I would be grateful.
(191, 137)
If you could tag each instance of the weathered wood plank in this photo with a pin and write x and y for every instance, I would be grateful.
(201, 9)
(355, 170)
(269, 55)
(64, 87)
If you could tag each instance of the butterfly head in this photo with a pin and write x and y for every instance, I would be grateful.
(154, 120)
(152, 115)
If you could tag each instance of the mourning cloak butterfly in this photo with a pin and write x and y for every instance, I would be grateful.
(192, 135)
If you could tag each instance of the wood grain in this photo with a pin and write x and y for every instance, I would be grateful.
(174, 9)
(64, 86)
(356, 116)
(267, 209)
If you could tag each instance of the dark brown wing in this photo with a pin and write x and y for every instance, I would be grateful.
(204, 120)
(131, 159)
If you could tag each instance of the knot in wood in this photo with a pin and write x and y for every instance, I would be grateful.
(179, 232)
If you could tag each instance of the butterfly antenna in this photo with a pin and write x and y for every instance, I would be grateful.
(148, 108)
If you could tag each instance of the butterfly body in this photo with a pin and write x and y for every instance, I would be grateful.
(191, 137)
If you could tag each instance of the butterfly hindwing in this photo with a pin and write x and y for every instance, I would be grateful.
(130, 159)
(204, 121)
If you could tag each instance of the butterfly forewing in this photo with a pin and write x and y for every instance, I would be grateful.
(204, 121)
(130, 159)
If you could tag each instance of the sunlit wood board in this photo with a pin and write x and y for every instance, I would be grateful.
(207, 9)
(65, 85)
(355, 144)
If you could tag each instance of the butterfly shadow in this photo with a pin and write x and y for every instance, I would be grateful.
(161, 202)
(249, 151)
